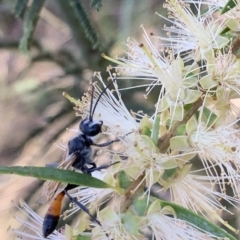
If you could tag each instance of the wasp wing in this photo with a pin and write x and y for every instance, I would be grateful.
(50, 188)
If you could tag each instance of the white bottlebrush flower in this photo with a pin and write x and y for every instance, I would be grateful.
(111, 110)
(32, 227)
(200, 34)
(91, 197)
(219, 148)
(108, 107)
(215, 5)
(145, 63)
(117, 226)
(199, 194)
(222, 77)
(145, 158)
(166, 226)
(231, 17)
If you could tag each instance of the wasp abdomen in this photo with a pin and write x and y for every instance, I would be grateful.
(51, 218)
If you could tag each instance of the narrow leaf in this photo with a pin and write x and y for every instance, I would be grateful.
(96, 4)
(85, 22)
(229, 5)
(155, 130)
(124, 180)
(197, 220)
(82, 237)
(20, 8)
(146, 131)
(30, 24)
(54, 174)
(225, 30)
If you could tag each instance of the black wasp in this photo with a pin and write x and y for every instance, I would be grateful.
(80, 157)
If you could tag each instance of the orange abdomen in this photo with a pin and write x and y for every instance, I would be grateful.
(51, 218)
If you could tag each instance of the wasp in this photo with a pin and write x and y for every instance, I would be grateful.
(79, 156)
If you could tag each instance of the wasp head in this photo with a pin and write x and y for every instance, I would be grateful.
(91, 127)
(88, 126)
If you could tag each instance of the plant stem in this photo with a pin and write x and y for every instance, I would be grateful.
(164, 141)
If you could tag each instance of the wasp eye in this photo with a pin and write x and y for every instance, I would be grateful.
(91, 128)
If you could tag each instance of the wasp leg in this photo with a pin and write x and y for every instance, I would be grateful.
(109, 142)
(88, 170)
(83, 207)
(94, 167)
(101, 167)
(106, 143)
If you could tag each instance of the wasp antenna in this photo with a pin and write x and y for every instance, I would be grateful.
(99, 97)
(91, 104)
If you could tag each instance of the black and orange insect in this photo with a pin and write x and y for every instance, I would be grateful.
(79, 156)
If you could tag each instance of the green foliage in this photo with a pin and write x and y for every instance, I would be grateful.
(85, 23)
(229, 5)
(130, 223)
(225, 30)
(141, 205)
(30, 24)
(20, 8)
(96, 4)
(155, 130)
(81, 237)
(32, 16)
(197, 220)
(124, 180)
(60, 175)
(169, 173)
(146, 131)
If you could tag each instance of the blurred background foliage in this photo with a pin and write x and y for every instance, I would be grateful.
(47, 47)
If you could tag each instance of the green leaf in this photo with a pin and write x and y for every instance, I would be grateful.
(96, 4)
(181, 130)
(20, 8)
(208, 117)
(169, 173)
(230, 5)
(155, 130)
(141, 205)
(85, 22)
(124, 180)
(30, 24)
(130, 223)
(197, 220)
(146, 131)
(225, 30)
(179, 143)
(82, 237)
(60, 175)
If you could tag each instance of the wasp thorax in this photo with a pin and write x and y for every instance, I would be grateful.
(91, 128)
